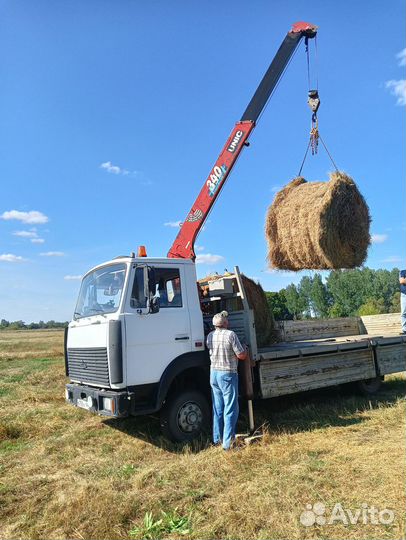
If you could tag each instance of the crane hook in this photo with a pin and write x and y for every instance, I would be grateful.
(314, 100)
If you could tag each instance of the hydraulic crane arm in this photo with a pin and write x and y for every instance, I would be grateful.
(183, 246)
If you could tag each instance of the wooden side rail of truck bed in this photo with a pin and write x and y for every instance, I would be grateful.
(385, 324)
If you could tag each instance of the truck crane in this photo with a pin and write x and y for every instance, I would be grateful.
(136, 343)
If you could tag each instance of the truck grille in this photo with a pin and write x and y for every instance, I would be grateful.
(89, 365)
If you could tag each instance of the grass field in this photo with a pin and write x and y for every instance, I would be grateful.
(65, 473)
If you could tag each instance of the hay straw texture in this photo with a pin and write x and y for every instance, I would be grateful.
(264, 321)
(320, 225)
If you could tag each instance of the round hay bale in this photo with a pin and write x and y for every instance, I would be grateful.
(318, 225)
(264, 321)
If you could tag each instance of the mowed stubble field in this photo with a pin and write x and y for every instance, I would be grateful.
(65, 473)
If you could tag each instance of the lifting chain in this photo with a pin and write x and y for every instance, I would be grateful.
(314, 104)
(314, 135)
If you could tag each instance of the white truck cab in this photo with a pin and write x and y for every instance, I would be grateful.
(137, 332)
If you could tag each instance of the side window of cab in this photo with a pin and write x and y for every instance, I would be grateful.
(168, 287)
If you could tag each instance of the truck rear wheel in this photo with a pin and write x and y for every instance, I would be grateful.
(370, 386)
(185, 416)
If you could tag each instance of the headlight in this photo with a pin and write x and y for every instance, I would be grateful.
(90, 401)
(108, 404)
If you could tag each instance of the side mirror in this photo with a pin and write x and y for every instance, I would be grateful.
(149, 282)
(154, 305)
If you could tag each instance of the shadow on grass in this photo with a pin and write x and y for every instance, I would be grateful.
(147, 428)
(334, 406)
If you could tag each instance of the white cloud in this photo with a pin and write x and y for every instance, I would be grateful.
(275, 189)
(31, 234)
(208, 258)
(378, 238)
(25, 234)
(392, 259)
(72, 278)
(398, 89)
(52, 254)
(9, 257)
(199, 248)
(174, 224)
(402, 57)
(113, 169)
(33, 216)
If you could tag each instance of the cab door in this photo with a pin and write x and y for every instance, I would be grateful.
(153, 340)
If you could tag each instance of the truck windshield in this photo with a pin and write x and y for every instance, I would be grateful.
(101, 291)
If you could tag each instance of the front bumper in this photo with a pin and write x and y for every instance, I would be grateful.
(121, 403)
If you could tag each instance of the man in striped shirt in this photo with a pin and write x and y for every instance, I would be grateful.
(225, 350)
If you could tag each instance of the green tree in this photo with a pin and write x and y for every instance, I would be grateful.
(17, 325)
(305, 296)
(372, 306)
(394, 306)
(349, 289)
(335, 311)
(294, 301)
(277, 305)
(385, 284)
(319, 297)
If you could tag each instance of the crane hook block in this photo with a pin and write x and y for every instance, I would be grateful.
(313, 100)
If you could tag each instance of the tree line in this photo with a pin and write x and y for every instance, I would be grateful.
(21, 325)
(344, 293)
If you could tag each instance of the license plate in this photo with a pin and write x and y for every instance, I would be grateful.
(83, 404)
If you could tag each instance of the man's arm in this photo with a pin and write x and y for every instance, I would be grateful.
(240, 352)
(242, 356)
(209, 341)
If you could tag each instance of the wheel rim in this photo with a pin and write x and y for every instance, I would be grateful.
(190, 417)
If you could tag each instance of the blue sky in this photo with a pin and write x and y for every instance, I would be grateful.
(112, 114)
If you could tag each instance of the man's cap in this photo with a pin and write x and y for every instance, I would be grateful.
(220, 318)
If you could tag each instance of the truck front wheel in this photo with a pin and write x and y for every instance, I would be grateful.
(185, 416)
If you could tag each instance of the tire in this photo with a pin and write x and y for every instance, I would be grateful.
(370, 386)
(185, 416)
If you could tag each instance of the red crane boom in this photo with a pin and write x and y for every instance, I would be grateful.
(183, 246)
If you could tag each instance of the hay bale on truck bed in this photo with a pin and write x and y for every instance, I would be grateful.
(265, 330)
(320, 225)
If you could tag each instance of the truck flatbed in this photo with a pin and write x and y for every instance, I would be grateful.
(289, 367)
